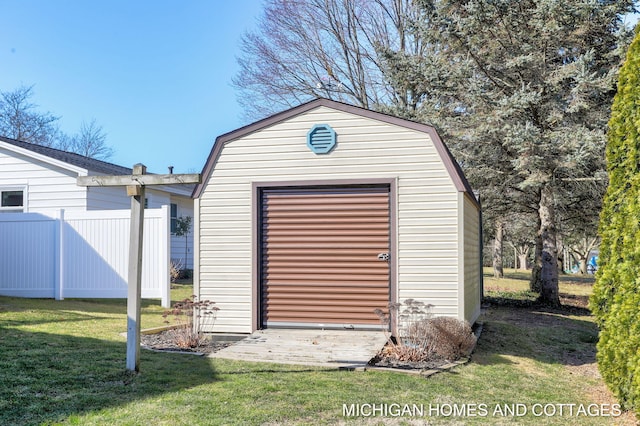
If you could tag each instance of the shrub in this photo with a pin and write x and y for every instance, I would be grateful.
(186, 274)
(190, 316)
(177, 271)
(417, 336)
(616, 294)
(175, 268)
(450, 338)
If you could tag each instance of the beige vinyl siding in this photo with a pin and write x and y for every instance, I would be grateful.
(47, 187)
(472, 268)
(427, 210)
(427, 237)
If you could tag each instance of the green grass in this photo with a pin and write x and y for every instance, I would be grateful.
(515, 286)
(62, 362)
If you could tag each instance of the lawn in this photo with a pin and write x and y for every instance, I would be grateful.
(62, 362)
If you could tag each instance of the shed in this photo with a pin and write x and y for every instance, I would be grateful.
(318, 215)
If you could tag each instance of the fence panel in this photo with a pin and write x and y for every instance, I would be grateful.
(83, 254)
(28, 264)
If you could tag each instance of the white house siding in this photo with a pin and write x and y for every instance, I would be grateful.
(46, 186)
(107, 198)
(427, 211)
(472, 266)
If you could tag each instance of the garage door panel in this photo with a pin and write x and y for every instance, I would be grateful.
(316, 237)
(320, 256)
(290, 295)
(345, 220)
(330, 284)
(353, 311)
(322, 319)
(318, 253)
(345, 268)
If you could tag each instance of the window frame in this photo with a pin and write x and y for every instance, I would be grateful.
(173, 219)
(14, 209)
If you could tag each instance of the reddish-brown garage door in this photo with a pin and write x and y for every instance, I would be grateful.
(324, 256)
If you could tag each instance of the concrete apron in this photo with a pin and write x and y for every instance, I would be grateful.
(322, 348)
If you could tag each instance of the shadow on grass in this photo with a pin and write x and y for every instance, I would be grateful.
(43, 311)
(564, 335)
(48, 377)
(578, 279)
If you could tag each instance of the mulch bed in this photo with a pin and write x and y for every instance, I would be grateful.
(380, 361)
(163, 341)
(384, 358)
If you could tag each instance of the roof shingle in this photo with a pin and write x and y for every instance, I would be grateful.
(91, 164)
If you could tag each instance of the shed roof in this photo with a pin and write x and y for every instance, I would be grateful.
(454, 170)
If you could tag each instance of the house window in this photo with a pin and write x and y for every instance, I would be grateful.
(174, 218)
(12, 200)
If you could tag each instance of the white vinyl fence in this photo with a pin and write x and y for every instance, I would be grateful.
(81, 254)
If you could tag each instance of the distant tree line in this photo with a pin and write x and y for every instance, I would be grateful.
(21, 119)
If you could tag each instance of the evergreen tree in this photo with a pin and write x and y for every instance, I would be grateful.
(524, 101)
(616, 296)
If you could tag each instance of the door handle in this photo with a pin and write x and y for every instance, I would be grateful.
(383, 257)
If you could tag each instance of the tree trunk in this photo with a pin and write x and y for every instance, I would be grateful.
(582, 261)
(549, 256)
(498, 270)
(567, 260)
(560, 250)
(186, 250)
(521, 256)
(581, 251)
(522, 261)
(534, 284)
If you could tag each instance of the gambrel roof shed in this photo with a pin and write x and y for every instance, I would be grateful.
(317, 216)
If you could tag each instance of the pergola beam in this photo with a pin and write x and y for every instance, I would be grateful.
(135, 179)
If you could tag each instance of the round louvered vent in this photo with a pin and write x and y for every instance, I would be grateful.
(321, 139)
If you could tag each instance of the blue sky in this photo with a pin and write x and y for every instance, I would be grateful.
(156, 74)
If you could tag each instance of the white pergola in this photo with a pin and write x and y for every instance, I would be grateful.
(135, 185)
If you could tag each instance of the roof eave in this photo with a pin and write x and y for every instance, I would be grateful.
(44, 158)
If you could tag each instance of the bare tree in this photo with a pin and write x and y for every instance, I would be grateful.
(305, 49)
(579, 215)
(21, 120)
(498, 269)
(521, 235)
(90, 141)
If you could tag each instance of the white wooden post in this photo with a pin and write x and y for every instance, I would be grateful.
(60, 248)
(135, 185)
(135, 270)
(165, 286)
